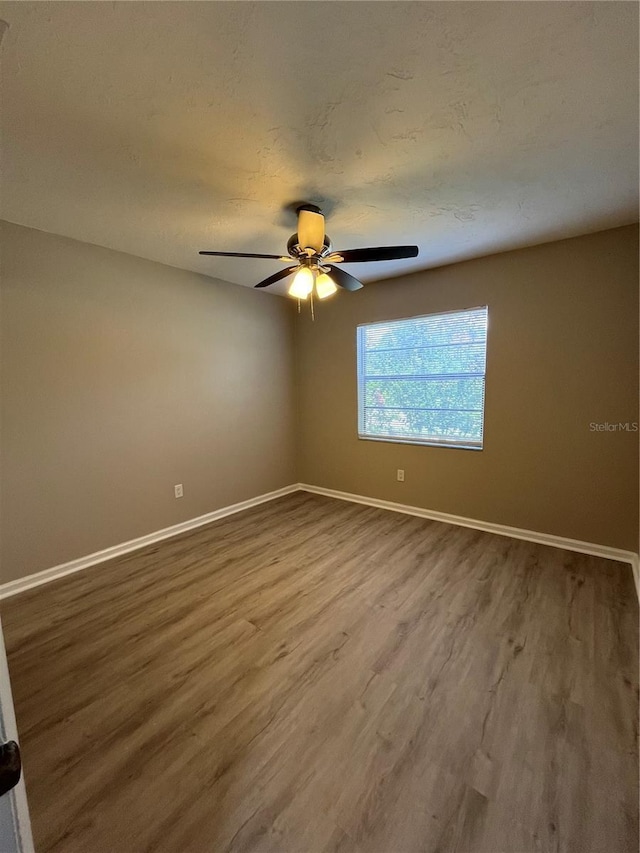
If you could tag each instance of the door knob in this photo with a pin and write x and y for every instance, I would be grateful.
(10, 766)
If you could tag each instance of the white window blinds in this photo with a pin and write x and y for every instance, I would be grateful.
(422, 380)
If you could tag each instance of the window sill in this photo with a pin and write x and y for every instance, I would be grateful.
(451, 445)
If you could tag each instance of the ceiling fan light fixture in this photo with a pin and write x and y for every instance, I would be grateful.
(302, 284)
(315, 264)
(325, 286)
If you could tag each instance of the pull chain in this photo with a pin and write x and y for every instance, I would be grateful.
(313, 316)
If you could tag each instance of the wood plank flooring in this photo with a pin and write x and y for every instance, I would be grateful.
(314, 676)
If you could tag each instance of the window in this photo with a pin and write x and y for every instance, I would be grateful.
(422, 380)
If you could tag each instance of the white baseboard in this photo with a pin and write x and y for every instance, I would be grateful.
(39, 578)
(487, 526)
(30, 581)
(636, 574)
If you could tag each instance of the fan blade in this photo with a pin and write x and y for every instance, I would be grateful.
(310, 228)
(376, 253)
(344, 279)
(276, 277)
(242, 255)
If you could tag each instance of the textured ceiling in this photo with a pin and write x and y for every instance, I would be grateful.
(467, 128)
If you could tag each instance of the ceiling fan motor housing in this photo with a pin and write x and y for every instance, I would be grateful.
(296, 251)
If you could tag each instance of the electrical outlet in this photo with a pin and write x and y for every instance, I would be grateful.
(401, 475)
(178, 490)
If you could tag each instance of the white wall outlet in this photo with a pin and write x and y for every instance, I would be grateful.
(178, 490)
(401, 475)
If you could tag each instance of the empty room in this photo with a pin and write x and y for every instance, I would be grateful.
(319, 516)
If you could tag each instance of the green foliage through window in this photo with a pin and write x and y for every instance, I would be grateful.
(422, 380)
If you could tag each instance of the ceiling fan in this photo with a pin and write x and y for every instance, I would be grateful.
(315, 260)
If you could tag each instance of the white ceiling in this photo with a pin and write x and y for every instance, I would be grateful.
(162, 128)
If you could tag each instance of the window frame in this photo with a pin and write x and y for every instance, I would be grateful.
(449, 443)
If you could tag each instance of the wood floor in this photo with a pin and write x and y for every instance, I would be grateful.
(313, 675)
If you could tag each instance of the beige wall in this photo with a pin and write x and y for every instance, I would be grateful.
(120, 378)
(562, 353)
